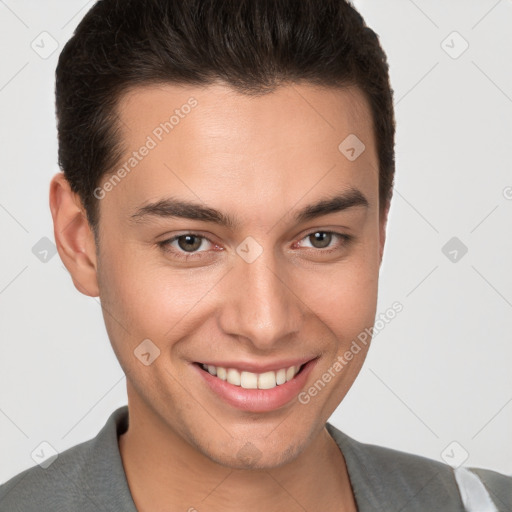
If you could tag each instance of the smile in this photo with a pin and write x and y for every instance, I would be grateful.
(250, 380)
(266, 388)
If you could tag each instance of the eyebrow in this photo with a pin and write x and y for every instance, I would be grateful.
(176, 208)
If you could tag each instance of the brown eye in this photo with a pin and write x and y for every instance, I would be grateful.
(320, 239)
(188, 246)
(189, 243)
(325, 243)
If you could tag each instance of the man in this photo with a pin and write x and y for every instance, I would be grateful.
(227, 174)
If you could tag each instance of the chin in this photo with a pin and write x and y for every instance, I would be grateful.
(250, 458)
(262, 454)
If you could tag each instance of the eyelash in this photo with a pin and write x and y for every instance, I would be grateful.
(165, 245)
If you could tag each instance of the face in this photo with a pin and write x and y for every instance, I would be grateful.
(242, 238)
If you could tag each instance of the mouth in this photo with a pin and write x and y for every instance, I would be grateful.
(264, 391)
(251, 380)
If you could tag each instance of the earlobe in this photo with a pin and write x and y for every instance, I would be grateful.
(73, 236)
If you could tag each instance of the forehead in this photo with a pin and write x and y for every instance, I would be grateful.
(219, 109)
(206, 142)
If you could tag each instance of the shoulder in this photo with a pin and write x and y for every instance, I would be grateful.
(415, 482)
(498, 485)
(38, 488)
(87, 477)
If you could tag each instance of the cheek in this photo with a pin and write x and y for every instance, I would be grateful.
(345, 301)
(344, 295)
(144, 297)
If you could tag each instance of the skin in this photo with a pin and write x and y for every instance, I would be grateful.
(259, 159)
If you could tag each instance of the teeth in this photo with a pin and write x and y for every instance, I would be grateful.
(234, 377)
(249, 380)
(290, 372)
(267, 380)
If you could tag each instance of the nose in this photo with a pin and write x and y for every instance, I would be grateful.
(261, 306)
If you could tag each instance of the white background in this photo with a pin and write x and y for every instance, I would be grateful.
(439, 372)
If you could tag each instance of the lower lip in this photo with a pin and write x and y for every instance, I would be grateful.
(257, 400)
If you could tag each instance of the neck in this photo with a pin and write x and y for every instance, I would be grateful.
(164, 472)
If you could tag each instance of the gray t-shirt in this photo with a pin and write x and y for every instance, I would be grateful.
(90, 477)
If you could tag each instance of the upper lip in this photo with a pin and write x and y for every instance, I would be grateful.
(256, 367)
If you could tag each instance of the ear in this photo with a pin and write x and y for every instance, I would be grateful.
(73, 236)
(382, 230)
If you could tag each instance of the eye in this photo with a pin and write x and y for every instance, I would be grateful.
(190, 242)
(322, 240)
(186, 245)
